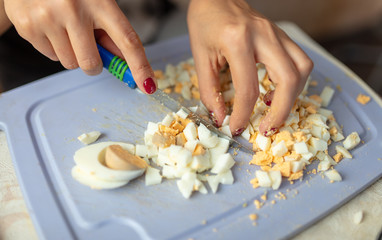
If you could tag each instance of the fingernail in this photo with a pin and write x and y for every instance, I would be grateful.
(149, 86)
(213, 118)
(270, 79)
(270, 132)
(238, 132)
(267, 99)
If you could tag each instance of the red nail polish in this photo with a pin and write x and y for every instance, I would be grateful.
(270, 79)
(149, 86)
(267, 99)
(213, 118)
(238, 132)
(270, 132)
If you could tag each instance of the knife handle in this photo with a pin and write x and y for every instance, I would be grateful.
(116, 66)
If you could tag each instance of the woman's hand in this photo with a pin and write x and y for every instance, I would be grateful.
(230, 31)
(66, 31)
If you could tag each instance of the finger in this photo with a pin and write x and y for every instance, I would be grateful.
(63, 48)
(104, 39)
(302, 62)
(85, 48)
(43, 45)
(127, 40)
(209, 88)
(284, 74)
(244, 77)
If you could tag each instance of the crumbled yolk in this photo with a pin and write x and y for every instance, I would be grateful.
(158, 74)
(296, 175)
(262, 158)
(258, 204)
(338, 157)
(316, 98)
(286, 136)
(164, 129)
(178, 87)
(254, 182)
(363, 99)
(253, 216)
(284, 168)
(199, 150)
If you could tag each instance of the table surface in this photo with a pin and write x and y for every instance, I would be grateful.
(15, 222)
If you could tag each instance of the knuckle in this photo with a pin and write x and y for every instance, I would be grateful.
(307, 65)
(235, 36)
(131, 40)
(90, 65)
(144, 69)
(43, 14)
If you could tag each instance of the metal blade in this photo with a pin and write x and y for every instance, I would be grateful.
(175, 106)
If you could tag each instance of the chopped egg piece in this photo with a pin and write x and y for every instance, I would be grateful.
(223, 163)
(333, 175)
(344, 152)
(351, 141)
(279, 149)
(264, 143)
(152, 176)
(263, 178)
(88, 138)
(326, 96)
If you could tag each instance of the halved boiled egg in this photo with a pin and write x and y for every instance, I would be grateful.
(95, 171)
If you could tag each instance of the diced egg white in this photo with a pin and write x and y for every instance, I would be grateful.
(226, 130)
(190, 132)
(182, 114)
(327, 95)
(152, 176)
(264, 143)
(301, 148)
(276, 179)
(167, 120)
(223, 163)
(88, 138)
(263, 178)
(344, 152)
(333, 175)
(279, 149)
(351, 141)
(206, 137)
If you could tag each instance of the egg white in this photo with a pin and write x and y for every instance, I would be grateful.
(91, 159)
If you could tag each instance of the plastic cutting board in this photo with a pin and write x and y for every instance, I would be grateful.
(43, 119)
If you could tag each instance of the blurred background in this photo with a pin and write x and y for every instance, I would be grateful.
(351, 30)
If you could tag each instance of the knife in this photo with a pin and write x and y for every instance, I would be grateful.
(121, 70)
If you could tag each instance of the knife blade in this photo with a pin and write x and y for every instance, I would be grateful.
(175, 106)
(121, 70)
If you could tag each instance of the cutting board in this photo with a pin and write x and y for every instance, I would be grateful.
(43, 119)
